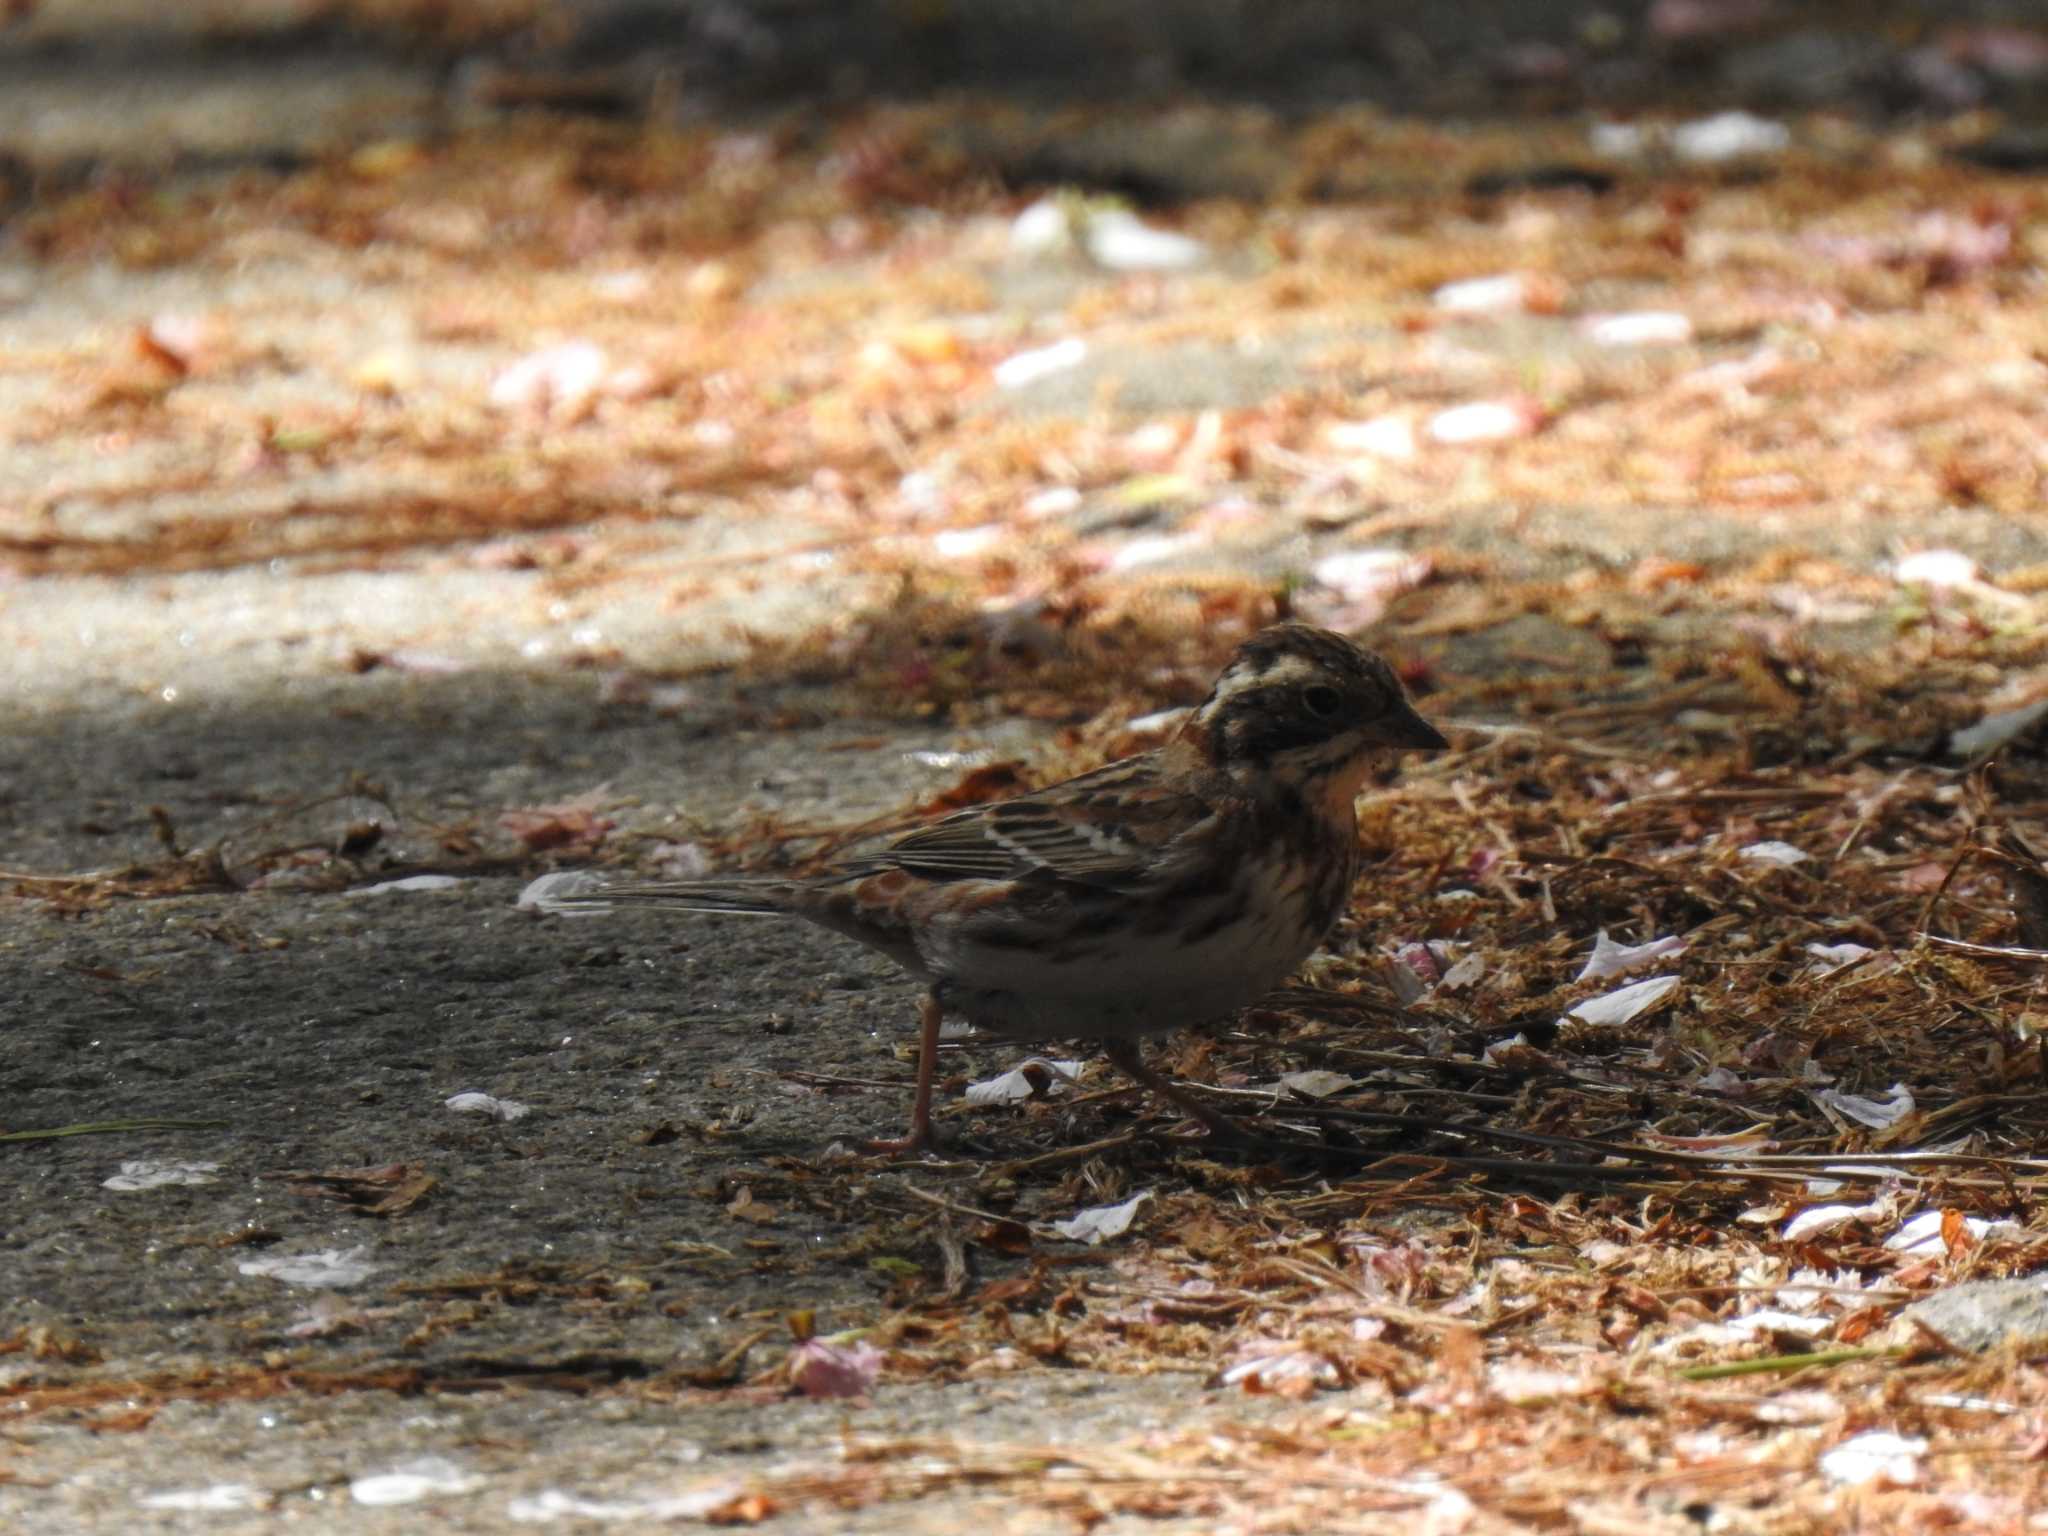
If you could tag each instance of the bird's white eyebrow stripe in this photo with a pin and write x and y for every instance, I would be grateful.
(1290, 669)
(1281, 670)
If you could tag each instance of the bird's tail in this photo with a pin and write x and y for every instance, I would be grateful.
(578, 892)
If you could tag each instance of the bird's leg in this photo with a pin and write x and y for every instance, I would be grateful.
(1128, 1057)
(929, 1017)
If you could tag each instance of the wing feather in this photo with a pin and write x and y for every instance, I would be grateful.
(1113, 833)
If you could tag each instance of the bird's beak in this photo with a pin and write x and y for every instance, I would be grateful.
(1405, 729)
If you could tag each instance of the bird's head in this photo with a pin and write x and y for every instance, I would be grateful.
(1308, 708)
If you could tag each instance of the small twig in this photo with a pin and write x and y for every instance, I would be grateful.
(1068, 1154)
(1969, 846)
(112, 1127)
(950, 1205)
(2007, 951)
(1778, 1364)
(829, 1080)
(1499, 733)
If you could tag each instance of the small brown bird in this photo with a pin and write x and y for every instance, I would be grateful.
(1167, 889)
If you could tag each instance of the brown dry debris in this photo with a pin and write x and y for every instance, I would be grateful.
(391, 1190)
(1487, 1244)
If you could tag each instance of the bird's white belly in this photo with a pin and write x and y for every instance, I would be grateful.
(1115, 977)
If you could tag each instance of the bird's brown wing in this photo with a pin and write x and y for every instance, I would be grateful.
(1112, 830)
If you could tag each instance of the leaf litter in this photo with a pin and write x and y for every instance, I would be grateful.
(1482, 1225)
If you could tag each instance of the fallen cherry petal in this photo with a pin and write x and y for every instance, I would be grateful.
(1030, 1079)
(1642, 328)
(1830, 958)
(1784, 855)
(1484, 421)
(820, 1368)
(557, 381)
(486, 1104)
(1612, 959)
(1877, 1456)
(1316, 1083)
(1501, 293)
(1936, 568)
(1099, 1223)
(1922, 1234)
(1623, 1004)
(1390, 437)
(1818, 1220)
(1878, 1114)
(148, 1173)
(1123, 242)
(1728, 136)
(409, 1482)
(411, 883)
(332, 1267)
(1022, 368)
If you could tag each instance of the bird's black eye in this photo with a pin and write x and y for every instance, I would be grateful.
(1322, 700)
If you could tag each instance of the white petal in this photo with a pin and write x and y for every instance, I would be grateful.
(1625, 1003)
(966, 543)
(1877, 1456)
(219, 1497)
(333, 1268)
(1773, 852)
(1029, 1079)
(1364, 573)
(1483, 295)
(1123, 242)
(1315, 1084)
(1100, 1222)
(1612, 959)
(1022, 368)
(1818, 1220)
(1832, 957)
(409, 1482)
(1619, 140)
(1878, 1114)
(1936, 568)
(1483, 421)
(1043, 229)
(552, 1504)
(1921, 1234)
(557, 379)
(1728, 136)
(149, 1173)
(485, 1104)
(411, 883)
(1380, 437)
(1641, 328)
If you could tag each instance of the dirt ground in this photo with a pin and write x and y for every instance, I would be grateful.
(392, 515)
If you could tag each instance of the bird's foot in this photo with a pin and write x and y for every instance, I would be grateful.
(918, 1140)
